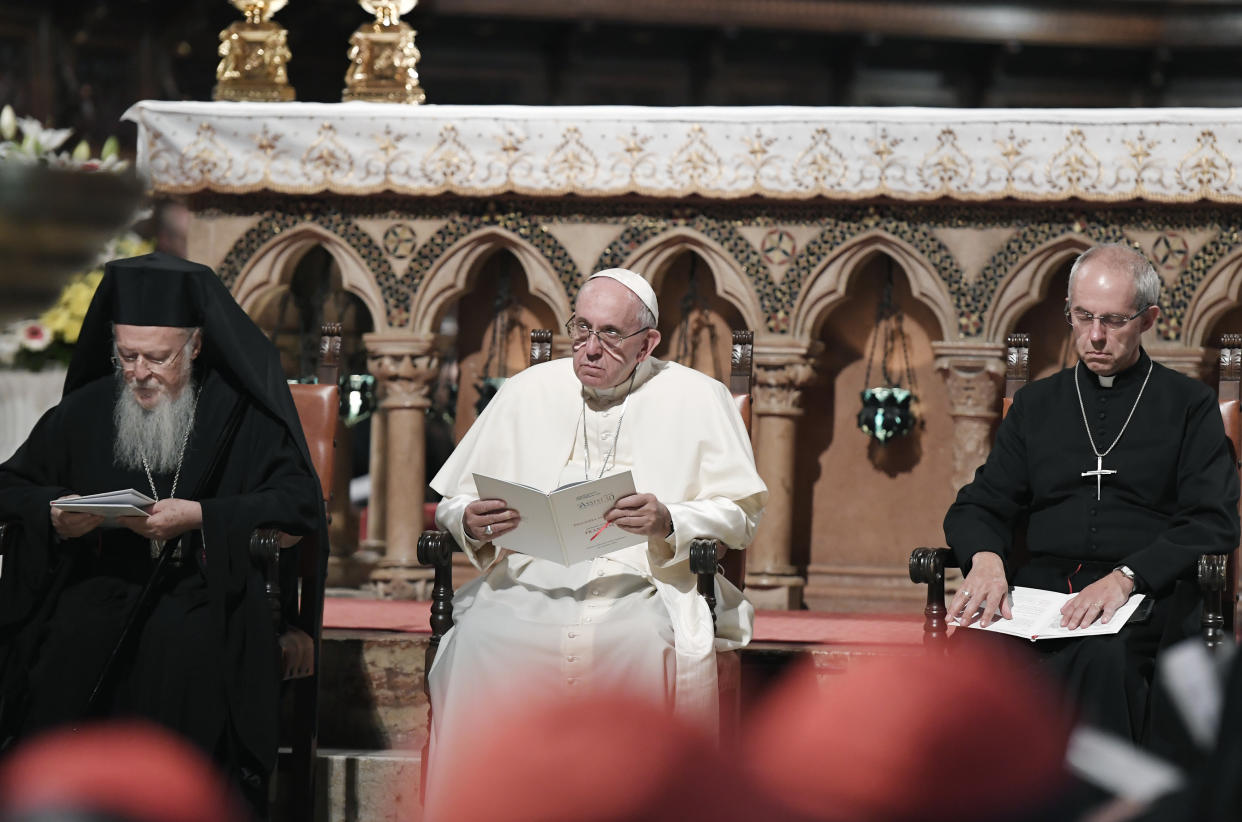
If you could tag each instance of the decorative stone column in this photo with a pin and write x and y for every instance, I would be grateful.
(783, 368)
(974, 373)
(405, 364)
(355, 571)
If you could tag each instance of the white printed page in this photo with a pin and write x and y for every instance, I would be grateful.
(536, 534)
(110, 504)
(1037, 615)
(580, 511)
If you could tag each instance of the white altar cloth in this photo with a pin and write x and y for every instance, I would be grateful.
(1095, 155)
(24, 396)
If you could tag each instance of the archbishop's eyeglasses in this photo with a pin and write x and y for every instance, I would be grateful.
(1113, 321)
(580, 332)
(128, 362)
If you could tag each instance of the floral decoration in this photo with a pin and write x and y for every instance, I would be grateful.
(33, 344)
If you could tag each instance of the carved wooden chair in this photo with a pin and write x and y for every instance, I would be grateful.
(435, 548)
(1216, 572)
(293, 571)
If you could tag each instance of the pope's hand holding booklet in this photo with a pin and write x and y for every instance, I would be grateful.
(566, 525)
(109, 504)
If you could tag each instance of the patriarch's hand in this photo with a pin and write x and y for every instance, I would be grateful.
(168, 518)
(71, 524)
(297, 653)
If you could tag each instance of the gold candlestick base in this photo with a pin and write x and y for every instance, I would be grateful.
(383, 60)
(253, 56)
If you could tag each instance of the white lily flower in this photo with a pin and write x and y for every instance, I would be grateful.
(8, 123)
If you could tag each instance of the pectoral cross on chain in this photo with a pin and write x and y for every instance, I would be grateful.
(1099, 473)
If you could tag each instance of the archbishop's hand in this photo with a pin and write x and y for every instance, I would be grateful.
(984, 594)
(168, 518)
(297, 653)
(71, 524)
(1100, 599)
(641, 514)
(484, 514)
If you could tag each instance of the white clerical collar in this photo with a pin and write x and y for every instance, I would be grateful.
(1106, 382)
(617, 393)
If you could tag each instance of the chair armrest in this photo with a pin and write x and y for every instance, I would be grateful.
(435, 548)
(927, 566)
(1213, 575)
(265, 553)
(704, 556)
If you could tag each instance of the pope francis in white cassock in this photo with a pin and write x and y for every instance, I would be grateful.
(630, 619)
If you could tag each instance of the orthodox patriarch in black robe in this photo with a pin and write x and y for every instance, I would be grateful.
(202, 656)
(1173, 497)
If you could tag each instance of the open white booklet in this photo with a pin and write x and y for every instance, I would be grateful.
(567, 525)
(1037, 615)
(109, 504)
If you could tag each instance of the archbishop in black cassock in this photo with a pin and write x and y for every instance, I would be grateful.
(202, 657)
(1172, 495)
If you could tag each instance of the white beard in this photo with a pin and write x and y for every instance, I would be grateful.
(157, 434)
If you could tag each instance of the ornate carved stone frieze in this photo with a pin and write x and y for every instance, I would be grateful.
(974, 373)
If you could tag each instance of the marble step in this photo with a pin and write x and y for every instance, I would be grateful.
(361, 786)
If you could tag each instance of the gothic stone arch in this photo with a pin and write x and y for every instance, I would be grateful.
(449, 276)
(827, 286)
(1021, 287)
(271, 267)
(652, 257)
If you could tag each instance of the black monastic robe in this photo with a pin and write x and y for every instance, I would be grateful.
(1174, 496)
(203, 658)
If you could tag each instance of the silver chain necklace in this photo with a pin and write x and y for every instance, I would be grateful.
(157, 545)
(1100, 470)
(610, 457)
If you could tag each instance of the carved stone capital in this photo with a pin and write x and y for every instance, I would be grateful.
(404, 366)
(974, 374)
(783, 369)
(400, 580)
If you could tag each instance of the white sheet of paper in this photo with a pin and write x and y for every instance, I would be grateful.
(109, 504)
(1037, 615)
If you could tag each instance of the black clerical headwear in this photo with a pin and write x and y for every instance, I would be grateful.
(154, 289)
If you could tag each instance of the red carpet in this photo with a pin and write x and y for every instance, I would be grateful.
(814, 627)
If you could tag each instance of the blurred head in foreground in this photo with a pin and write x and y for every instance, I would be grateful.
(971, 735)
(119, 772)
(610, 758)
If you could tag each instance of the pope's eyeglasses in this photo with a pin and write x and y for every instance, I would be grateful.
(580, 332)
